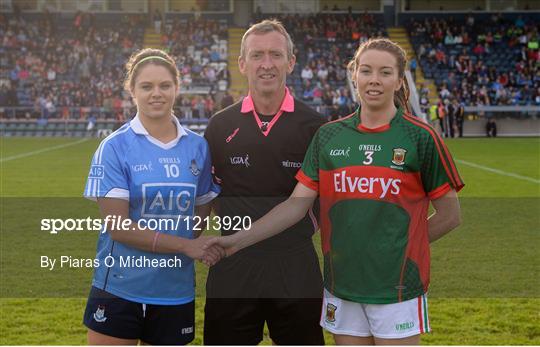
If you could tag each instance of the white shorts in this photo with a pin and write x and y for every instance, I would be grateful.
(386, 321)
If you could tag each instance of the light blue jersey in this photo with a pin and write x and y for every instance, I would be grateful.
(159, 181)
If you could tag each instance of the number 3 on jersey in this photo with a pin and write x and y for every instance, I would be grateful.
(369, 157)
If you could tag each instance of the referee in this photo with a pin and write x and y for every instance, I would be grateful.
(257, 146)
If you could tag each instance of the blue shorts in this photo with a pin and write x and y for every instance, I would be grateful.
(153, 324)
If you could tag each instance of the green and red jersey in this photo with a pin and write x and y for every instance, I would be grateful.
(375, 186)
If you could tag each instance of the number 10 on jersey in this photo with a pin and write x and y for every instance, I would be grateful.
(171, 170)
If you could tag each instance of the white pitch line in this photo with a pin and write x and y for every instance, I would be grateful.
(47, 149)
(500, 172)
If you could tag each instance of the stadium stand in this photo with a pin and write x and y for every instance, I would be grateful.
(71, 71)
(324, 44)
(480, 61)
(199, 47)
(67, 63)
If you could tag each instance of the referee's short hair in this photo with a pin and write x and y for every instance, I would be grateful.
(267, 26)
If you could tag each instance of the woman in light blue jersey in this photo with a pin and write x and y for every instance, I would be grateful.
(149, 178)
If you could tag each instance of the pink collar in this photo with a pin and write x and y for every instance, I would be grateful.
(286, 106)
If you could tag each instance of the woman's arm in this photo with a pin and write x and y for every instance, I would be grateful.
(148, 240)
(281, 217)
(447, 216)
(202, 211)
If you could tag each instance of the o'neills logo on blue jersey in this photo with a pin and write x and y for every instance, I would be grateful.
(366, 185)
(169, 160)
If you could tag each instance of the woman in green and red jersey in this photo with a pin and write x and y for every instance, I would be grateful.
(376, 173)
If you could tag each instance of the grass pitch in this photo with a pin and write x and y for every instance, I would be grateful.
(484, 280)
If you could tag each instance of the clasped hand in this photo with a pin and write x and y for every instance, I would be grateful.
(211, 249)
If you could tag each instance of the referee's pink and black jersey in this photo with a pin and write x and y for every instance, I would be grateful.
(256, 158)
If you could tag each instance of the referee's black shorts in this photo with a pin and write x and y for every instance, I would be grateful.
(248, 289)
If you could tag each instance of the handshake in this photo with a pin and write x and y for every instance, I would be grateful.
(211, 249)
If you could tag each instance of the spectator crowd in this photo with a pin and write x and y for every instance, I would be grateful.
(481, 62)
(80, 64)
(52, 64)
(325, 43)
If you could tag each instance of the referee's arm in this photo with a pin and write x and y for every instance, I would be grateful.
(280, 218)
(202, 211)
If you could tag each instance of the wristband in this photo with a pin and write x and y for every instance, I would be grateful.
(156, 236)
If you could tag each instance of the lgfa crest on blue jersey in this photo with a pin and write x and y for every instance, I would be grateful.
(99, 315)
(194, 169)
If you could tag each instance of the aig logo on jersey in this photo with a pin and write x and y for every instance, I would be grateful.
(398, 157)
(168, 200)
(96, 171)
